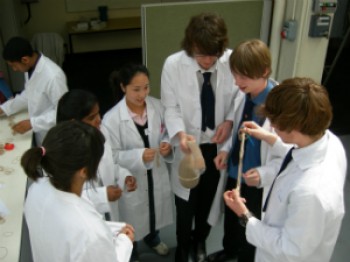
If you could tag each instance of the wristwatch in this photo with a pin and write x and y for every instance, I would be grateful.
(243, 219)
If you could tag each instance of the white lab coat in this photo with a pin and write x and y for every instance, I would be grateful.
(180, 95)
(306, 206)
(40, 96)
(128, 147)
(267, 154)
(108, 174)
(65, 227)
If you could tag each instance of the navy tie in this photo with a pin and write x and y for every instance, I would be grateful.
(207, 103)
(285, 163)
(246, 116)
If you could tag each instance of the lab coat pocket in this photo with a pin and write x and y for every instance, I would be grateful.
(281, 196)
(132, 199)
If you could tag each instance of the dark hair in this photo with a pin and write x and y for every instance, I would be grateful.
(124, 76)
(16, 48)
(207, 33)
(299, 104)
(68, 147)
(75, 104)
(251, 58)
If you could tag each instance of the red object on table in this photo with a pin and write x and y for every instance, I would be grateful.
(9, 146)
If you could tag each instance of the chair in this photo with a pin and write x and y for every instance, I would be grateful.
(51, 45)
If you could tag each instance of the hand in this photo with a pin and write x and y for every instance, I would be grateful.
(22, 126)
(221, 160)
(113, 193)
(235, 202)
(129, 231)
(222, 132)
(148, 155)
(130, 183)
(183, 137)
(254, 130)
(252, 177)
(164, 148)
(1, 111)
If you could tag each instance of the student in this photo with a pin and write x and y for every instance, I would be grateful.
(83, 106)
(251, 66)
(198, 92)
(62, 225)
(45, 83)
(304, 206)
(139, 143)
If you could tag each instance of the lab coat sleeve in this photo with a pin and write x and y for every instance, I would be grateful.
(298, 237)
(164, 135)
(117, 249)
(120, 240)
(169, 99)
(230, 114)
(55, 89)
(16, 104)
(98, 196)
(170, 157)
(123, 248)
(227, 145)
(132, 160)
(165, 138)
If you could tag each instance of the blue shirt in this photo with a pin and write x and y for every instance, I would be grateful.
(4, 89)
(251, 156)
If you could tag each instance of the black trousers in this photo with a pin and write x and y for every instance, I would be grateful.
(234, 241)
(197, 208)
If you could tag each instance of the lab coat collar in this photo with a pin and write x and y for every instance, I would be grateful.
(125, 116)
(313, 154)
(39, 66)
(40, 63)
(66, 196)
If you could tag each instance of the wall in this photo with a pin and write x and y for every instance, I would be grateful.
(305, 56)
(10, 26)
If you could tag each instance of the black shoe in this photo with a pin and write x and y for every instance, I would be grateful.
(182, 254)
(220, 256)
(200, 252)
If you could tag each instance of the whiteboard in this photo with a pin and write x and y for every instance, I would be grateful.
(91, 5)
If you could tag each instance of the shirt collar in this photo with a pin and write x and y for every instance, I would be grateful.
(141, 120)
(201, 70)
(261, 97)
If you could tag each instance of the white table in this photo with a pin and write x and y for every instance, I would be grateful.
(12, 187)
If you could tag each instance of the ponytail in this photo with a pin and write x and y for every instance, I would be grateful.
(31, 162)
